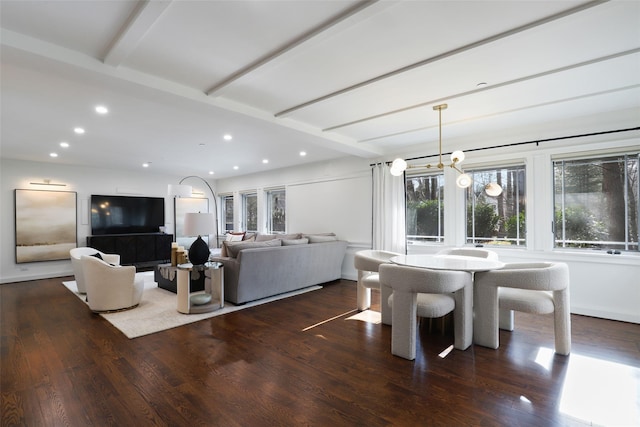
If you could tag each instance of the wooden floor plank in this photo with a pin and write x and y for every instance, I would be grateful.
(297, 361)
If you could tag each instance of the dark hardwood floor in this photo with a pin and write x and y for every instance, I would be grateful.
(267, 365)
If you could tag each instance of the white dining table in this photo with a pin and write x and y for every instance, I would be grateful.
(448, 262)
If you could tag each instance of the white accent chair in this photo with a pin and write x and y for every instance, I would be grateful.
(76, 255)
(538, 288)
(109, 287)
(474, 252)
(427, 293)
(367, 263)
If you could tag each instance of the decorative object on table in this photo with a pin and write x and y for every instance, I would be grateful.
(183, 190)
(464, 180)
(199, 224)
(45, 225)
(182, 206)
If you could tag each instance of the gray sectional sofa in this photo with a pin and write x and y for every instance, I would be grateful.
(255, 270)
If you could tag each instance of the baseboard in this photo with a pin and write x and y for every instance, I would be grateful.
(622, 317)
(30, 277)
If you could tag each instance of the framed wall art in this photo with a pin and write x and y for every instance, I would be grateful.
(182, 206)
(45, 224)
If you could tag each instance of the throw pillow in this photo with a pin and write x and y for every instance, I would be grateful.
(292, 242)
(234, 237)
(249, 237)
(233, 248)
(321, 239)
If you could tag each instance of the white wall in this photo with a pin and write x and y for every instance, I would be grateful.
(84, 181)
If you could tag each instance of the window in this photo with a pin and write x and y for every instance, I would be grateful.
(276, 204)
(250, 211)
(227, 209)
(425, 208)
(596, 202)
(497, 220)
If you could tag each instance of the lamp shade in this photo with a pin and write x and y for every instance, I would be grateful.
(463, 181)
(199, 224)
(398, 167)
(179, 190)
(493, 189)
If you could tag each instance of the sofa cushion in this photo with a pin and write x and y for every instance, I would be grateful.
(233, 248)
(321, 238)
(266, 237)
(292, 242)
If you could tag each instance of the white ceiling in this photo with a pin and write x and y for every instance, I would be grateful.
(331, 78)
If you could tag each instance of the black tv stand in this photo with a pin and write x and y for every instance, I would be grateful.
(140, 249)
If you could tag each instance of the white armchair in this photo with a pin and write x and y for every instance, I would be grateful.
(367, 262)
(110, 287)
(538, 288)
(76, 254)
(427, 293)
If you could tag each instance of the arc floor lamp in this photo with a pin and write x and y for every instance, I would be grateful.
(197, 224)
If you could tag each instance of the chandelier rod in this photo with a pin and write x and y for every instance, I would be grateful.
(514, 144)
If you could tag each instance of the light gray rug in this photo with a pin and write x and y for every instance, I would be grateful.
(157, 310)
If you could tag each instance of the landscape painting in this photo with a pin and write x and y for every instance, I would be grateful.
(184, 205)
(45, 225)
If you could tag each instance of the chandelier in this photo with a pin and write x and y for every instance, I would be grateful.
(464, 180)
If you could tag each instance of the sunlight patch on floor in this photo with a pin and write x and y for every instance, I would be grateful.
(601, 392)
(327, 320)
(368, 316)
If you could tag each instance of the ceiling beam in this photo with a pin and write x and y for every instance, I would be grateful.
(139, 23)
(444, 55)
(483, 89)
(295, 43)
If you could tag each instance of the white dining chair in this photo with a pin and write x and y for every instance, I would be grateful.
(430, 293)
(367, 262)
(538, 288)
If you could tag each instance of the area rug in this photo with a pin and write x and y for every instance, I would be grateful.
(157, 310)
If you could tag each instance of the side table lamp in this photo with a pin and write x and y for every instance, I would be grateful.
(199, 224)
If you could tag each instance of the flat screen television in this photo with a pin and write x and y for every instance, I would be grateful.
(126, 214)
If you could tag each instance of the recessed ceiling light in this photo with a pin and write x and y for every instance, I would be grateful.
(101, 109)
(53, 154)
(303, 153)
(146, 165)
(236, 168)
(265, 161)
(79, 131)
(64, 144)
(481, 84)
(211, 172)
(227, 137)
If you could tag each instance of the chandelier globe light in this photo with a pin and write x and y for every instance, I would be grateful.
(398, 166)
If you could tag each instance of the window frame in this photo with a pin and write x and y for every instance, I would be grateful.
(270, 209)
(245, 211)
(520, 241)
(595, 159)
(414, 239)
(224, 202)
